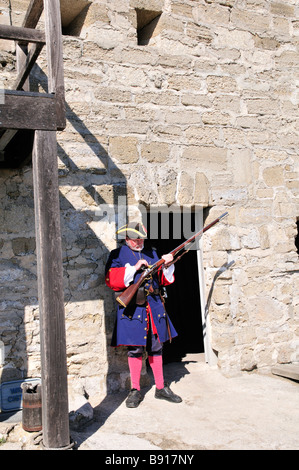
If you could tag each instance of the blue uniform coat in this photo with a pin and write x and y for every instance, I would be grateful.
(132, 322)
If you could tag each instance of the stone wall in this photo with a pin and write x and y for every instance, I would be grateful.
(204, 114)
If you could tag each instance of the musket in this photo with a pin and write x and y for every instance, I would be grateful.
(127, 295)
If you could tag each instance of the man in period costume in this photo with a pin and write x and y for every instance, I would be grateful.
(145, 326)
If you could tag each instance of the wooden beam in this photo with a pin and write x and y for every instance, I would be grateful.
(33, 13)
(21, 55)
(50, 292)
(25, 61)
(22, 35)
(290, 371)
(55, 58)
(28, 110)
(6, 138)
(26, 65)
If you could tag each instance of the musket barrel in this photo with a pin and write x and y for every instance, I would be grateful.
(127, 295)
(204, 229)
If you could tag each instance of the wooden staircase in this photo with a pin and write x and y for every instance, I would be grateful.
(24, 112)
(28, 125)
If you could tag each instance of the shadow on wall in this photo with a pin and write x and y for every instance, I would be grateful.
(84, 258)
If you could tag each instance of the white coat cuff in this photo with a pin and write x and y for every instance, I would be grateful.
(129, 274)
(168, 273)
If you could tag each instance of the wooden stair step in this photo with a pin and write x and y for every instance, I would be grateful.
(22, 35)
(290, 371)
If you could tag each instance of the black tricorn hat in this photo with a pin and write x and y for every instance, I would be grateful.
(133, 230)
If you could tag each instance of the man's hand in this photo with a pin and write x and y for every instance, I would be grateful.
(168, 259)
(140, 263)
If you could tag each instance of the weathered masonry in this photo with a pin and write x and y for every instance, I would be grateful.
(169, 104)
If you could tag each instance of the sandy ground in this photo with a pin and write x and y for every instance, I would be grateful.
(247, 412)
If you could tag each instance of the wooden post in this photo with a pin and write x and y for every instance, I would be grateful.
(21, 54)
(55, 57)
(50, 292)
(44, 113)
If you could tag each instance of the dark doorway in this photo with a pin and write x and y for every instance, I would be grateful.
(183, 296)
(297, 237)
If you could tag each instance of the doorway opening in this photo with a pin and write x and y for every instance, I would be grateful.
(182, 303)
(297, 236)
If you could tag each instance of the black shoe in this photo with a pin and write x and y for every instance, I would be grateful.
(134, 398)
(166, 394)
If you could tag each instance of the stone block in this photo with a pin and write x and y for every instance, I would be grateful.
(221, 84)
(262, 106)
(234, 137)
(229, 196)
(23, 246)
(287, 59)
(274, 176)
(202, 135)
(221, 295)
(123, 149)
(234, 39)
(167, 182)
(186, 189)
(183, 83)
(5, 45)
(230, 103)
(156, 98)
(151, 5)
(182, 9)
(112, 94)
(155, 152)
(219, 258)
(251, 21)
(240, 164)
(266, 310)
(247, 360)
(211, 15)
(221, 240)
(216, 118)
(81, 416)
(208, 158)
(201, 34)
(201, 191)
(266, 43)
(281, 9)
(255, 215)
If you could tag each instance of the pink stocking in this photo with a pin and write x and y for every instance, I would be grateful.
(156, 364)
(135, 366)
